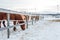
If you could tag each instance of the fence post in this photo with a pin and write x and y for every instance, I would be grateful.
(32, 21)
(8, 18)
(39, 17)
(27, 21)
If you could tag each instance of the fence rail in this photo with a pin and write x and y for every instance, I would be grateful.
(1, 29)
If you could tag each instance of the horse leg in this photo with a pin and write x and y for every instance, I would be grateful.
(0, 24)
(14, 26)
(22, 26)
(4, 23)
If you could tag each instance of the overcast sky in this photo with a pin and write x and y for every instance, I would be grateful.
(30, 5)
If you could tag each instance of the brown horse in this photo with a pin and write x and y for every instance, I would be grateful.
(26, 17)
(35, 17)
(3, 16)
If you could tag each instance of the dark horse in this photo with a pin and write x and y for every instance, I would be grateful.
(3, 16)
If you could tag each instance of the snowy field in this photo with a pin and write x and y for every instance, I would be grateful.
(41, 30)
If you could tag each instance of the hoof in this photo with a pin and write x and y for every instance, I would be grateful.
(14, 28)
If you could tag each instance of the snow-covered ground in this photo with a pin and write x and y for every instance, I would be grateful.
(41, 30)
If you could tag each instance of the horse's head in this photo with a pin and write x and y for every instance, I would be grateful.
(26, 17)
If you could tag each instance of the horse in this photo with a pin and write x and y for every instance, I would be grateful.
(35, 17)
(3, 16)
